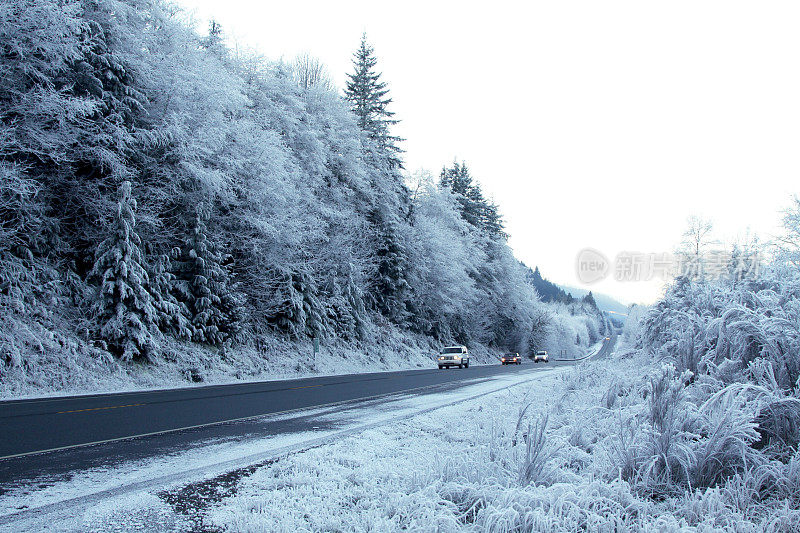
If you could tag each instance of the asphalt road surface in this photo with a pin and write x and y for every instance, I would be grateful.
(53, 434)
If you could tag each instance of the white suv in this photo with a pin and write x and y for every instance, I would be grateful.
(453, 356)
(541, 356)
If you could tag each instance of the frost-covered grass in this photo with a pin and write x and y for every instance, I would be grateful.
(614, 445)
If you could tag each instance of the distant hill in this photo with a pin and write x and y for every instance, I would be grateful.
(604, 301)
(547, 290)
(553, 292)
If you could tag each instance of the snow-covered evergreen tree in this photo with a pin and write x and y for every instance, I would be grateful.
(215, 37)
(202, 284)
(368, 99)
(172, 315)
(475, 208)
(390, 288)
(125, 308)
(302, 312)
(354, 297)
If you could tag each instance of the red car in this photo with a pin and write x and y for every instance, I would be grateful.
(511, 359)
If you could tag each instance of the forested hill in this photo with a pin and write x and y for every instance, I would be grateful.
(604, 301)
(547, 290)
(162, 193)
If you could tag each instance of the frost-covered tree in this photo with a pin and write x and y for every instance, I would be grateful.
(445, 255)
(125, 308)
(696, 243)
(368, 97)
(215, 38)
(310, 72)
(302, 313)
(203, 284)
(27, 237)
(172, 315)
(697, 235)
(390, 288)
(788, 242)
(589, 300)
(475, 208)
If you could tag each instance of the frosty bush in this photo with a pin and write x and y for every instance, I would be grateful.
(719, 329)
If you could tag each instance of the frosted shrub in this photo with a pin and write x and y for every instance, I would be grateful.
(533, 468)
(778, 427)
(721, 328)
(652, 448)
(726, 431)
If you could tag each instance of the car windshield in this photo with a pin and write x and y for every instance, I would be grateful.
(510, 355)
(541, 353)
(452, 350)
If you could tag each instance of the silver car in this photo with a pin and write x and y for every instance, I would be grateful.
(541, 357)
(453, 356)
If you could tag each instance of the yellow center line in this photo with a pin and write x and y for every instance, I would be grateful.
(99, 408)
(138, 404)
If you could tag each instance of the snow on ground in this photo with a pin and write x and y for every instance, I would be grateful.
(536, 457)
(189, 365)
(127, 485)
(499, 455)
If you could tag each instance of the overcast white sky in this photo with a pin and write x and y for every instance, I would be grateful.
(591, 124)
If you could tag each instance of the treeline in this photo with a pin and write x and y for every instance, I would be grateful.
(547, 290)
(156, 186)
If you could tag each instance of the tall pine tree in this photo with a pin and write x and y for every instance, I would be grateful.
(125, 306)
(202, 284)
(390, 290)
(368, 99)
(475, 208)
